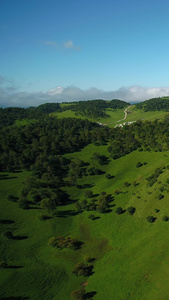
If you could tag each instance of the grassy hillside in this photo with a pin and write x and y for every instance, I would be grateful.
(135, 114)
(131, 254)
(116, 116)
(122, 255)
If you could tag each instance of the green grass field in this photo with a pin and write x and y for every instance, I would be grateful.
(116, 116)
(135, 114)
(132, 255)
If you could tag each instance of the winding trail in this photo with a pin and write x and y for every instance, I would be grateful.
(125, 114)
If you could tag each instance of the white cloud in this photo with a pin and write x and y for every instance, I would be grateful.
(49, 43)
(10, 97)
(65, 45)
(68, 45)
(56, 91)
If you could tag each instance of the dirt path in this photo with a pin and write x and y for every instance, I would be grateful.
(125, 114)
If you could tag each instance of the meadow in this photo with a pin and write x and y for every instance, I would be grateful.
(127, 254)
(131, 255)
(116, 116)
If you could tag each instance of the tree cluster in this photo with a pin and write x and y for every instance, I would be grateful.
(65, 242)
(154, 104)
(81, 269)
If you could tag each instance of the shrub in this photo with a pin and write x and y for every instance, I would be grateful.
(81, 269)
(139, 164)
(78, 294)
(88, 259)
(8, 234)
(160, 196)
(156, 210)
(118, 191)
(165, 218)
(151, 219)
(88, 194)
(108, 176)
(126, 184)
(2, 264)
(65, 242)
(119, 210)
(92, 217)
(23, 203)
(43, 217)
(131, 210)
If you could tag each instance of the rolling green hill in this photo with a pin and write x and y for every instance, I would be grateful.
(84, 208)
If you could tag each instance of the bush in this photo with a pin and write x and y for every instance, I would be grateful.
(81, 269)
(8, 234)
(117, 191)
(156, 210)
(92, 217)
(23, 203)
(43, 217)
(165, 218)
(131, 210)
(160, 196)
(78, 294)
(151, 219)
(65, 242)
(126, 184)
(139, 164)
(108, 176)
(3, 265)
(88, 259)
(88, 194)
(119, 210)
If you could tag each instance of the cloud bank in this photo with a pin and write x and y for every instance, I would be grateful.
(9, 96)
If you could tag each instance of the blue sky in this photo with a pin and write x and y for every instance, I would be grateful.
(87, 48)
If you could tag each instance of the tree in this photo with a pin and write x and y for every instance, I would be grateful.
(92, 217)
(151, 219)
(119, 210)
(165, 218)
(23, 203)
(48, 204)
(139, 164)
(131, 210)
(78, 294)
(81, 269)
(88, 194)
(160, 196)
(3, 264)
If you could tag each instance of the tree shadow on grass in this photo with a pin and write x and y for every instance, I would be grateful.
(14, 267)
(66, 213)
(95, 218)
(90, 295)
(20, 237)
(85, 186)
(8, 222)
(108, 210)
(14, 298)
(5, 177)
